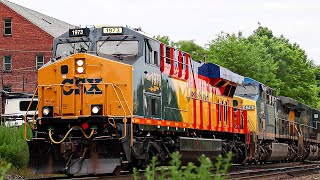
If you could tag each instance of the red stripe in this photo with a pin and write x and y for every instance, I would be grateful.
(232, 120)
(161, 57)
(238, 120)
(222, 117)
(187, 67)
(180, 64)
(231, 126)
(210, 123)
(229, 119)
(171, 61)
(194, 113)
(217, 117)
(245, 122)
(201, 115)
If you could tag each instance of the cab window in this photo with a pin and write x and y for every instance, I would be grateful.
(66, 49)
(118, 47)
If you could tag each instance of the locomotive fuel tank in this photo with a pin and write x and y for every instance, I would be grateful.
(278, 152)
(192, 148)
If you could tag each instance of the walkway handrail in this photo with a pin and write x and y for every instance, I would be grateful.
(25, 116)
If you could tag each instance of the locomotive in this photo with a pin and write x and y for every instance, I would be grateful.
(284, 129)
(113, 97)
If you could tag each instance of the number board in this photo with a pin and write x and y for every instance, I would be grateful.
(79, 32)
(112, 30)
(248, 107)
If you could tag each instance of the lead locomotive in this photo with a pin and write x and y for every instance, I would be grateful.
(112, 98)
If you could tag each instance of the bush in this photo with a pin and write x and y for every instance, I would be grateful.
(191, 172)
(4, 168)
(13, 147)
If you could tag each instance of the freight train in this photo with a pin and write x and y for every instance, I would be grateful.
(113, 97)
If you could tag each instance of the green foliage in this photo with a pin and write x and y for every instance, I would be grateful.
(204, 170)
(222, 166)
(296, 74)
(191, 172)
(164, 39)
(175, 164)
(271, 60)
(151, 169)
(237, 54)
(135, 174)
(188, 173)
(13, 148)
(197, 52)
(4, 168)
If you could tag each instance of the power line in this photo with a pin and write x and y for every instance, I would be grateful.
(9, 50)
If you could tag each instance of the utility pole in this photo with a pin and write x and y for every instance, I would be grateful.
(23, 82)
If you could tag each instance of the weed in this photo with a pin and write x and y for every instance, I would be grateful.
(13, 147)
(191, 172)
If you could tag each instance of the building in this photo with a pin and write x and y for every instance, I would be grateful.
(25, 45)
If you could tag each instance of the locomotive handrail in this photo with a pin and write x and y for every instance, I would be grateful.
(299, 134)
(125, 119)
(316, 125)
(25, 116)
(249, 118)
(125, 113)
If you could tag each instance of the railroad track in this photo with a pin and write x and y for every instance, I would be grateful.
(89, 177)
(265, 171)
(272, 173)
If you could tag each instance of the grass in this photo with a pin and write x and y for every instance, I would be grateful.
(13, 147)
(205, 171)
(4, 168)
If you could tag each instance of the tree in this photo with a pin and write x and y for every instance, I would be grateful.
(164, 39)
(197, 52)
(296, 73)
(236, 53)
(273, 61)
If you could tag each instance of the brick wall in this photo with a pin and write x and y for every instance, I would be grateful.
(26, 42)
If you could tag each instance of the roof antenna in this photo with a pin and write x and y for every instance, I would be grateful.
(137, 29)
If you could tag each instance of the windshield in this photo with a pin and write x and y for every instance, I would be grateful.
(246, 90)
(118, 47)
(64, 50)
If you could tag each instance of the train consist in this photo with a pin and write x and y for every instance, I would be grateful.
(112, 98)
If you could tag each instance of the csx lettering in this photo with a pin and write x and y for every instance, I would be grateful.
(94, 89)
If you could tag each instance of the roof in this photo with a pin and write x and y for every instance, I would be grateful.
(51, 25)
(211, 70)
(288, 101)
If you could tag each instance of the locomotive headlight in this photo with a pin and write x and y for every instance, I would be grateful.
(80, 62)
(46, 111)
(95, 109)
(80, 70)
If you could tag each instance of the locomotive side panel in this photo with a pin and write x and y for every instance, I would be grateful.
(74, 94)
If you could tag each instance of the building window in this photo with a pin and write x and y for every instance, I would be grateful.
(7, 63)
(7, 27)
(7, 88)
(39, 61)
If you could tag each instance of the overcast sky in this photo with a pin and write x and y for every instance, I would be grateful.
(199, 20)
